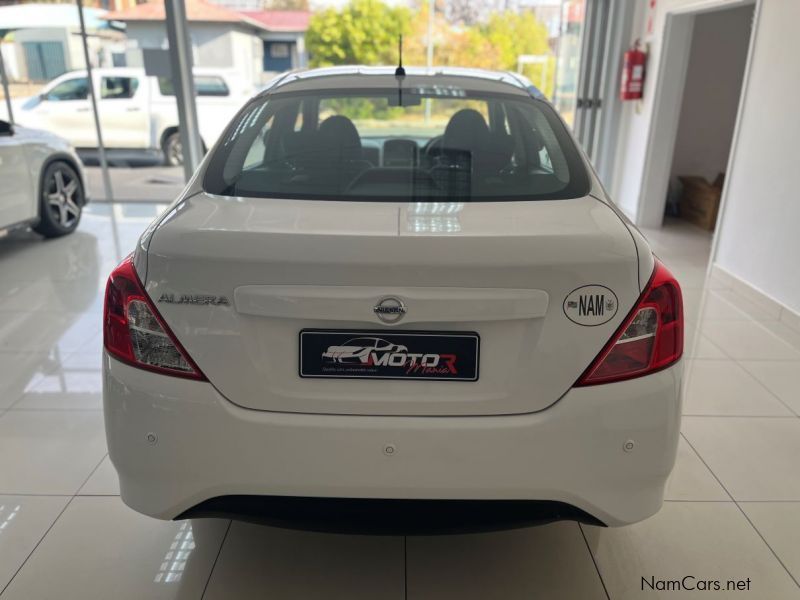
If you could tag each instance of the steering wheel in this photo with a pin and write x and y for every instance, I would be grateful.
(433, 146)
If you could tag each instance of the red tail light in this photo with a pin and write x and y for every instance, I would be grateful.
(135, 333)
(650, 338)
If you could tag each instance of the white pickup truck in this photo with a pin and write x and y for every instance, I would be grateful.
(138, 113)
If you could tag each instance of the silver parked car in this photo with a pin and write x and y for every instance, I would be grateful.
(43, 184)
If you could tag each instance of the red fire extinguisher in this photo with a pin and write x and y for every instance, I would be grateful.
(633, 73)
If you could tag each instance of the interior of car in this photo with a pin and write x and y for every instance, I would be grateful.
(371, 148)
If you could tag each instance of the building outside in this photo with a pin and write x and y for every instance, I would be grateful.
(255, 44)
(40, 41)
(101, 4)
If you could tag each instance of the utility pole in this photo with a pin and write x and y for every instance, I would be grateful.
(431, 9)
(4, 81)
(180, 52)
(101, 149)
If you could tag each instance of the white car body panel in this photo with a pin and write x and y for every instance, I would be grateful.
(573, 452)
(136, 123)
(23, 157)
(539, 249)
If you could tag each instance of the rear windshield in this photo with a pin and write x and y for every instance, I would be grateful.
(399, 146)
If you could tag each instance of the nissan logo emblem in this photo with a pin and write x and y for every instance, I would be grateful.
(390, 310)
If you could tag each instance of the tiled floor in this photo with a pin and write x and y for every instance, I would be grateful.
(733, 509)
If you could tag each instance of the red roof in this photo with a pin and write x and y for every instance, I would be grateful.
(196, 10)
(281, 20)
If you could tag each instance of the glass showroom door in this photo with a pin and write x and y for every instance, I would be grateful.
(581, 62)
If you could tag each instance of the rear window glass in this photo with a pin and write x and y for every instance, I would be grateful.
(379, 144)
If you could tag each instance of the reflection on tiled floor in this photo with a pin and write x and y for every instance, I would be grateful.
(732, 510)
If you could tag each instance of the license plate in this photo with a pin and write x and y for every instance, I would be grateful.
(439, 356)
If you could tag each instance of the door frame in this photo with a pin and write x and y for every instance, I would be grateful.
(668, 93)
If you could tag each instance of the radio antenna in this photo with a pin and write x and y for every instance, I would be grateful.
(400, 71)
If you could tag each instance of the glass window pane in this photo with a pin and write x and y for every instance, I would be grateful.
(204, 85)
(366, 145)
(71, 89)
(117, 88)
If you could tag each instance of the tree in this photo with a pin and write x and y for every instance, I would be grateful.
(363, 32)
(472, 12)
(366, 31)
(512, 34)
(285, 4)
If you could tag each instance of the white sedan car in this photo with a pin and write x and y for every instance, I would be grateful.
(42, 181)
(535, 370)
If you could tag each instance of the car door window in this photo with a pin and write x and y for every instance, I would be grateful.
(71, 89)
(118, 88)
(204, 85)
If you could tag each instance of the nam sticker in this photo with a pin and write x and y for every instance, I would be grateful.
(591, 305)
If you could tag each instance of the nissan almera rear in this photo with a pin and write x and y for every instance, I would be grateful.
(394, 304)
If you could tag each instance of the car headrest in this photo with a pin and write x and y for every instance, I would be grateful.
(339, 137)
(466, 130)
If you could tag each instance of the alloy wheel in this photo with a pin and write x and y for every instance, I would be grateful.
(61, 193)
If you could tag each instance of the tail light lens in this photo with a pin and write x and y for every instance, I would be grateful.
(650, 338)
(135, 333)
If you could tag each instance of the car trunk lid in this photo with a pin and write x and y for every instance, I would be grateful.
(243, 282)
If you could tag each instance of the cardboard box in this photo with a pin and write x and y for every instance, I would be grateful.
(699, 203)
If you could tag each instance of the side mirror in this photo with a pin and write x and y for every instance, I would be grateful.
(6, 128)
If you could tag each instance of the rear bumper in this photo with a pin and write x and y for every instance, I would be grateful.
(572, 453)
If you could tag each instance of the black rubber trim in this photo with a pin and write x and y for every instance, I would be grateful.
(367, 516)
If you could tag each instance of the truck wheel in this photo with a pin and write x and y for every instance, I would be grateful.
(61, 200)
(173, 150)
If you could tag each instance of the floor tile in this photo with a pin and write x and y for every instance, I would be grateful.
(103, 482)
(734, 306)
(49, 452)
(688, 273)
(755, 458)
(23, 522)
(781, 378)
(264, 562)
(783, 331)
(99, 548)
(697, 345)
(779, 523)
(704, 540)
(25, 257)
(48, 295)
(47, 332)
(66, 387)
(748, 340)
(691, 479)
(551, 562)
(19, 371)
(722, 387)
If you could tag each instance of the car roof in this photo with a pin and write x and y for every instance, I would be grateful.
(136, 72)
(355, 76)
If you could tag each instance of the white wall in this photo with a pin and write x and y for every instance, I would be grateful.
(711, 94)
(640, 143)
(215, 45)
(759, 235)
